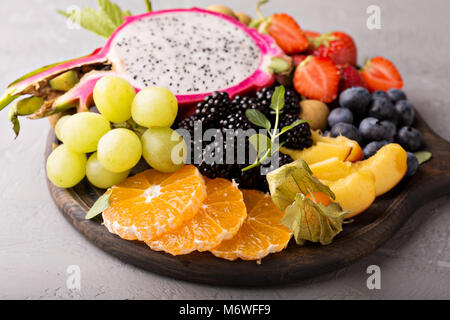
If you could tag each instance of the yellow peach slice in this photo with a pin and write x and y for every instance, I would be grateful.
(355, 192)
(388, 165)
(356, 154)
(332, 169)
(319, 152)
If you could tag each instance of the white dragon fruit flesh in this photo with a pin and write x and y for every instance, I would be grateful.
(192, 52)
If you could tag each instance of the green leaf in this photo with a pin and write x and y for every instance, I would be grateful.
(112, 11)
(258, 118)
(312, 221)
(102, 22)
(99, 206)
(293, 178)
(261, 143)
(292, 125)
(92, 20)
(277, 103)
(423, 156)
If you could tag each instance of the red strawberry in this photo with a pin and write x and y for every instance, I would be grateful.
(350, 77)
(287, 33)
(298, 58)
(317, 78)
(338, 46)
(380, 74)
(311, 34)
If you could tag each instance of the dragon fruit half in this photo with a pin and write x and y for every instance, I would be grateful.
(193, 52)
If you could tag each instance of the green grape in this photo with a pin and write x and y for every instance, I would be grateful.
(59, 125)
(113, 97)
(164, 149)
(82, 131)
(154, 107)
(100, 177)
(66, 168)
(119, 150)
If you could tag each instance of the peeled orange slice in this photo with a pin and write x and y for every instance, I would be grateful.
(261, 234)
(152, 203)
(219, 218)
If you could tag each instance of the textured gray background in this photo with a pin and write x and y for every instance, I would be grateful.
(37, 244)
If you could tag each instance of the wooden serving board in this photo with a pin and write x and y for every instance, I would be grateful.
(369, 230)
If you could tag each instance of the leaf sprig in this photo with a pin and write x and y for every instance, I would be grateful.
(103, 21)
(267, 146)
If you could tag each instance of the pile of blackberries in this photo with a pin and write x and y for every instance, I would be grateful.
(226, 115)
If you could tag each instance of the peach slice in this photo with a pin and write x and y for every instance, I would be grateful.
(388, 165)
(356, 154)
(355, 192)
(319, 152)
(332, 169)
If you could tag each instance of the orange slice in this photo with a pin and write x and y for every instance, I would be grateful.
(261, 234)
(152, 203)
(219, 218)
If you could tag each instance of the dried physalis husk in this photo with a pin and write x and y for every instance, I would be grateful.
(312, 221)
(292, 188)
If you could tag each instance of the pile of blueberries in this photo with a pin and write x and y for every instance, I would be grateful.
(375, 120)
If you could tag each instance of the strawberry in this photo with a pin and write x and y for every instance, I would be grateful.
(287, 33)
(338, 46)
(350, 77)
(380, 74)
(298, 58)
(311, 34)
(317, 78)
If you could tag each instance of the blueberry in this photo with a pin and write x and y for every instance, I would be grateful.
(379, 95)
(370, 129)
(382, 108)
(357, 99)
(412, 164)
(390, 129)
(345, 129)
(371, 148)
(404, 111)
(409, 138)
(396, 95)
(340, 115)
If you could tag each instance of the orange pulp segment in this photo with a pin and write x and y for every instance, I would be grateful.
(261, 234)
(152, 203)
(219, 218)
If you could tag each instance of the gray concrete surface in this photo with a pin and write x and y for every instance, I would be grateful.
(37, 244)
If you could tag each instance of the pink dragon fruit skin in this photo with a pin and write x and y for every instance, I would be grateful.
(81, 95)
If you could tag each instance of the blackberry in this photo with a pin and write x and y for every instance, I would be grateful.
(298, 137)
(291, 100)
(213, 108)
(187, 124)
(243, 103)
(256, 178)
(237, 120)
